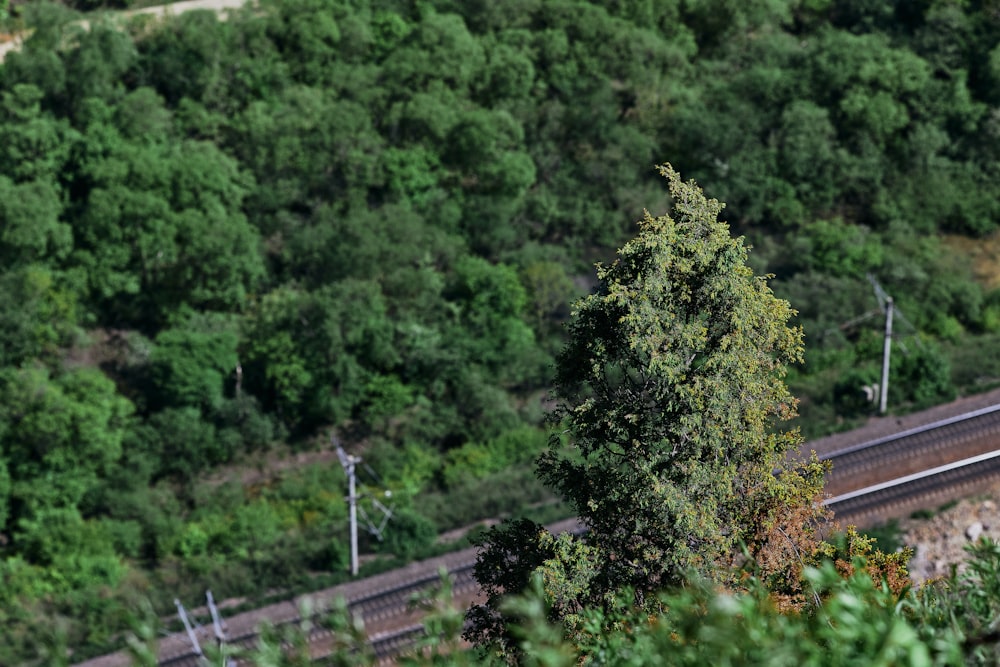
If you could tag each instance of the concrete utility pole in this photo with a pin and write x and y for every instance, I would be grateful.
(220, 634)
(886, 349)
(220, 630)
(349, 462)
(190, 631)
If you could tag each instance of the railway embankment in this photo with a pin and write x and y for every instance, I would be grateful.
(882, 471)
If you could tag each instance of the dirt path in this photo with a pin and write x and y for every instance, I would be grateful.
(9, 43)
(188, 5)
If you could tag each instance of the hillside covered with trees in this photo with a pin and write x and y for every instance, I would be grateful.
(223, 241)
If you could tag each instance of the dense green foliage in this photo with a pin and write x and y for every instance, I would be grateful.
(221, 240)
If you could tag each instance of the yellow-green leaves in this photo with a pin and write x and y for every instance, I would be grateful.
(670, 385)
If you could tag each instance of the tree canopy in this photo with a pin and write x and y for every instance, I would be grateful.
(670, 383)
(671, 390)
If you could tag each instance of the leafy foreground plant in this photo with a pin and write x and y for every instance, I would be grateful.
(858, 621)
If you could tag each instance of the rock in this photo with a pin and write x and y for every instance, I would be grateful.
(943, 538)
(974, 530)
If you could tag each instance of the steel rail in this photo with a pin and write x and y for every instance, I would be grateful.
(916, 444)
(942, 482)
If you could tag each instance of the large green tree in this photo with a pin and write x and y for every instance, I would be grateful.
(59, 435)
(670, 388)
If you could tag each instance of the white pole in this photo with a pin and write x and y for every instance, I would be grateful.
(886, 348)
(349, 462)
(354, 515)
(220, 634)
(187, 626)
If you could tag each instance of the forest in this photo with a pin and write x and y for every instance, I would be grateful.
(225, 242)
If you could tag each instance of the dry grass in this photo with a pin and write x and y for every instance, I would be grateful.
(983, 253)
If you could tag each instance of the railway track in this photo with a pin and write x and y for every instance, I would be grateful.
(389, 608)
(921, 467)
(928, 488)
(874, 480)
(913, 450)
